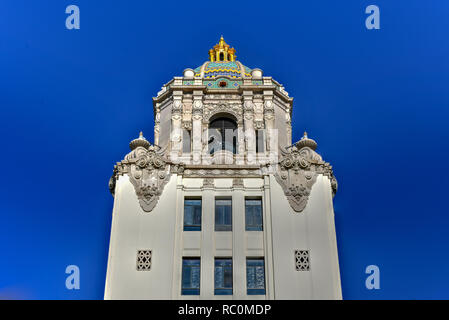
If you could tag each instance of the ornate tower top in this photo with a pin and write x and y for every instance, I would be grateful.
(222, 52)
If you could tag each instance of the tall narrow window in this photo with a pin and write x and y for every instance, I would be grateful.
(186, 141)
(255, 276)
(260, 141)
(191, 268)
(253, 215)
(192, 214)
(223, 276)
(223, 215)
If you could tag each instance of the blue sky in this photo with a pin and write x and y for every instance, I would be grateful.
(376, 101)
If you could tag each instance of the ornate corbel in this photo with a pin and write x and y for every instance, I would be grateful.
(297, 172)
(148, 172)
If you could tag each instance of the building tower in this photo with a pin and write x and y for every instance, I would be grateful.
(223, 205)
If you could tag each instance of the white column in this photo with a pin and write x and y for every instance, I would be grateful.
(238, 243)
(177, 259)
(207, 244)
(268, 244)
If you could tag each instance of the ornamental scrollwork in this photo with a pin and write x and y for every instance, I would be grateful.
(212, 109)
(148, 172)
(297, 173)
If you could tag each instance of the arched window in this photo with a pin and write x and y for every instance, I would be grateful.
(223, 135)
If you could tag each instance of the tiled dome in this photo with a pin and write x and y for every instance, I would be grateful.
(233, 69)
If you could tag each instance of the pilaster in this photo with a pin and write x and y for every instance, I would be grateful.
(248, 116)
(176, 134)
(207, 240)
(238, 242)
(197, 120)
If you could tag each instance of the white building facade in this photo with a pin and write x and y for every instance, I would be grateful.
(223, 205)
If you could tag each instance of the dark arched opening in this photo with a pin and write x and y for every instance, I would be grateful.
(223, 135)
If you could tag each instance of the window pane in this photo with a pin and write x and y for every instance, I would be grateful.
(260, 277)
(219, 277)
(255, 276)
(228, 277)
(260, 142)
(186, 277)
(223, 215)
(253, 215)
(223, 135)
(251, 277)
(190, 276)
(192, 215)
(223, 276)
(197, 216)
(186, 141)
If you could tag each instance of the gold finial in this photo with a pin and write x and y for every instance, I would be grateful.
(222, 52)
(141, 135)
(305, 134)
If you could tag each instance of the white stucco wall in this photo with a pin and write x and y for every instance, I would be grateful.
(314, 230)
(133, 229)
(162, 232)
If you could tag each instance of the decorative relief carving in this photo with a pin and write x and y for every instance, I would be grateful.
(197, 104)
(187, 125)
(297, 172)
(177, 104)
(177, 169)
(208, 183)
(237, 183)
(222, 173)
(249, 116)
(148, 172)
(248, 106)
(268, 110)
(269, 116)
(213, 109)
(268, 105)
(259, 124)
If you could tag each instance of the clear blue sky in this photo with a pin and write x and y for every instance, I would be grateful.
(376, 101)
